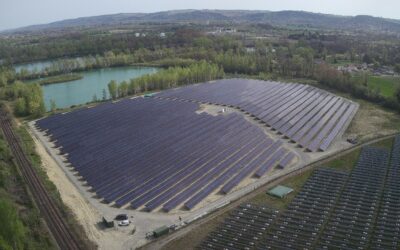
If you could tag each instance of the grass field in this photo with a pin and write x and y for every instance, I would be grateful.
(58, 79)
(387, 85)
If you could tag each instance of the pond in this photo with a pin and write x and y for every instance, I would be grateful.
(92, 85)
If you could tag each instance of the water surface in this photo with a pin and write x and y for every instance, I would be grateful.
(92, 84)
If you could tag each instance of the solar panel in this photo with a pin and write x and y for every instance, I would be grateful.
(158, 152)
(292, 109)
(154, 150)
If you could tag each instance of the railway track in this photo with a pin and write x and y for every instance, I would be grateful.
(57, 225)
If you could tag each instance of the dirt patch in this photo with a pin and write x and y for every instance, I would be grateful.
(371, 122)
(214, 110)
(84, 212)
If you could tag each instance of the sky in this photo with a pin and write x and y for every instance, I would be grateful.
(19, 13)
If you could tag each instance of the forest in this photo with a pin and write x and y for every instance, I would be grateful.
(290, 55)
(169, 78)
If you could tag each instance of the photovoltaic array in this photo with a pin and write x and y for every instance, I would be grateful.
(153, 153)
(311, 117)
(333, 210)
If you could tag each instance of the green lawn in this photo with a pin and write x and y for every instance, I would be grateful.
(387, 85)
(342, 63)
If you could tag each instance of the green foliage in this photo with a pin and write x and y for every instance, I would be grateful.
(113, 89)
(33, 96)
(385, 85)
(123, 88)
(12, 231)
(53, 105)
(59, 78)
(20, 107)
(397, 68)
(176, 76)
(398, 94)
(21, 226)
(3, 80)
(5, 158)
(14, 91)
(28, 98)
(343, 82)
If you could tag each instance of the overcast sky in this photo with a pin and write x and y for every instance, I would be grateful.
(18, 13)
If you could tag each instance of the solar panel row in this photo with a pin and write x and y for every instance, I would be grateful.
(298, 227)
(352, 221)
(242, 229)
(386, 234)
(333, 210)
(158, 153)
(309, 116)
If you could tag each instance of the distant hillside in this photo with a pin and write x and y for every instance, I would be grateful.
(279, 18)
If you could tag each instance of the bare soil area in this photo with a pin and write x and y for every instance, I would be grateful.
(84, 212)
(371, 121)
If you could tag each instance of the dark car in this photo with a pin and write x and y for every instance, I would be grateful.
(121, 217)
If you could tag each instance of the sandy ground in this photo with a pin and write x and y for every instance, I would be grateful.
(371, 122)
(71, 197)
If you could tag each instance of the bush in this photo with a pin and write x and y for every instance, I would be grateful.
(12, 231)
(28, 99)
(176, 76)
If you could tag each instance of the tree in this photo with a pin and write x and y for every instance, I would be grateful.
(53, 106)
(29, 99)
(12, 231)
(367, 59)
(33, 96)
(123, 89)
(175, 76)
(20, 107)
(397, 68)
(94, 98)
(398, 95)
(104, 94)
(3, 80)
(113, 89)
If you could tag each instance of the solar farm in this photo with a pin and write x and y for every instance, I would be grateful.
(306, 115)
(333, 210)
(168, 152)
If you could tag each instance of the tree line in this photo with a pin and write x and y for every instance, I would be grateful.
(167, 78)
(27, 98)
(301, 59)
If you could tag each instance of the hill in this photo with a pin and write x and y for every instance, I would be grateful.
(278, 18)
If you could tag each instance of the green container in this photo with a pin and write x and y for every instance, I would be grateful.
(160, 231)
(108, 222)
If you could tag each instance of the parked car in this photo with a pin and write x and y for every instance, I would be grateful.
(352, 140)
(124, 223)
(121, 217)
